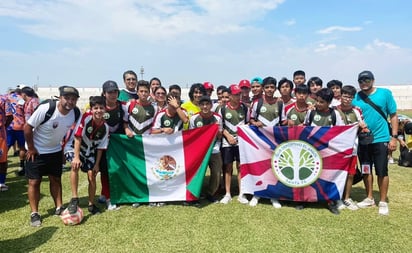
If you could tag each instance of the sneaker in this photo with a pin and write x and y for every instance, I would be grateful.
(383, 208)
(242, 199)
(35, 220)
(367, 202)
(391, 161)
(152, 204)
(226, 199)
(111, 207)
(136, 205)
(349, 204)
(74, 203)
(59, 210)
(333, 208)
(102, 199)
(21, 172)
(340, 205)
(254, 201)
(299, 206)
(93, 209)
(3, 188)
(275, 203)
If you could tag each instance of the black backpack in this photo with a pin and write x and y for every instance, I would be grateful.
(52, 107)
(332, 114)
(259, 105)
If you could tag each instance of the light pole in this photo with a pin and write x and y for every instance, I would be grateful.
(141, 72)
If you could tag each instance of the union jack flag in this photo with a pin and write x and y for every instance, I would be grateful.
(300, 163)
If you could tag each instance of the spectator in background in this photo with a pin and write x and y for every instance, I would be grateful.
(6, 116)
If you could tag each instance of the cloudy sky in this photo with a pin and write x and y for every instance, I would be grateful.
(86, 42)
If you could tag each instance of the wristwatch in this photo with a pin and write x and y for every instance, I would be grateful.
(395, 136)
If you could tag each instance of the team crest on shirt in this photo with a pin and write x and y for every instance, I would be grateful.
(106, 116)
(55, 124)
(166, 168)
(293, 117)
(228, 115)
(167, 123)
(135, 110)
(199, 124)
(263, 109)
(317, 117)
(90, 130)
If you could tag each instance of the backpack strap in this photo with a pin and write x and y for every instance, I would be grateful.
(280, 108)
(50, 111)
(259, 105)
(332, 114)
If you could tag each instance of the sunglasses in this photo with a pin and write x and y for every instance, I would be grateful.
(366, 80)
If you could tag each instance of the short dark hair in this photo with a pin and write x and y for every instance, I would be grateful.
(129, 72)
(303, 88)
(155, 79)
(97, 100)
(269, 80)
(299, 73)
(326, 94)
(285, 80)
(143, 83)
(348, 89)
(220, 87)
(175, 87)
(28, 91)
(332, 83)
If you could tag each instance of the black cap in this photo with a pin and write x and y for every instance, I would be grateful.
(109, 86)
(366, 74)
(68, 90)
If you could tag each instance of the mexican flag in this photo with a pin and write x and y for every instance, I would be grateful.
(301, 163)
(161, 167)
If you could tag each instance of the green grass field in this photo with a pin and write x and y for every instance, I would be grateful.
(210, 228)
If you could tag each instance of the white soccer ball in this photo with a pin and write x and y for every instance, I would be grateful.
(72, 219)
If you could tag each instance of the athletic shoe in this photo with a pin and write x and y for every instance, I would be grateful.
(340, 205)
(102, 199)
(136, 205)
(35, 220)
(254, 201)
(226, 199)
(59, 210)
(242, 199)
(333, 208)
(74, 202)
(275, 203)
(3, 188)
(367, 202)
(391, 161)
(152, 204)
(349, 204)
(111, 207)
(93, 209)
(383, 208)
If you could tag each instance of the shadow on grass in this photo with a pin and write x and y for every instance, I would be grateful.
(28, 243)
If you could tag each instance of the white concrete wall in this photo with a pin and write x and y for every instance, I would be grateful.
(402, 94)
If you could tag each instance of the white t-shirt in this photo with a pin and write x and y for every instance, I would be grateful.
(47, 137)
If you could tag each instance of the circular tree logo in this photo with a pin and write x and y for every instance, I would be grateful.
(296, 163)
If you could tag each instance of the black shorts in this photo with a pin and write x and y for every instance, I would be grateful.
(375, 154)
(45, 165)
(230, 154)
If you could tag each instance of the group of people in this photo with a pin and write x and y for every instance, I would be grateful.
(53, 132)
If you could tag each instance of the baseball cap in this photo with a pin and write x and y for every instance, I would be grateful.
(366, 74)
(256, 79)
(205, 99)
(208, 86)
(68, 90)
(244, 83)
(109, 86)
(235, 89)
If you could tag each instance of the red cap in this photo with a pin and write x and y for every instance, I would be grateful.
(244, 83)
(208, 86)
(235, 89)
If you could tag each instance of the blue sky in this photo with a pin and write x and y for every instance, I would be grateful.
(84, 43)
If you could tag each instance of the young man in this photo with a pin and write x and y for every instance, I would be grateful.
(91, 137)
(351, 115)
(376, 153)
(296, 112)
(209, 88)
(244, 86)
(336, 87)
(299, 77)
(130, 81)
(315, 84)
(207, 117)
(44, 151)
(267, 111)
(170, 119)
(197, 90)
(256, 88)
(323, 115)
(139, 114)
(234, 114)
(6, 116)
(285, 88)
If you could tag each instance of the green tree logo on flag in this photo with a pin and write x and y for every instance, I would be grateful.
(296, 163)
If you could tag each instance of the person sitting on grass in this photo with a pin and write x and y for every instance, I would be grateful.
(90, 139)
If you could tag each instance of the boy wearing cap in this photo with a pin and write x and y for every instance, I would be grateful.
(114, 119)
(375, 154)
(256, 88)
(267, 111)
(209, 88)
(207, 117)
(44, 150)
(244, 86)
(234, 114)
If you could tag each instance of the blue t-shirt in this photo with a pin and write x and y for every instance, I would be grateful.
(376, 123)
